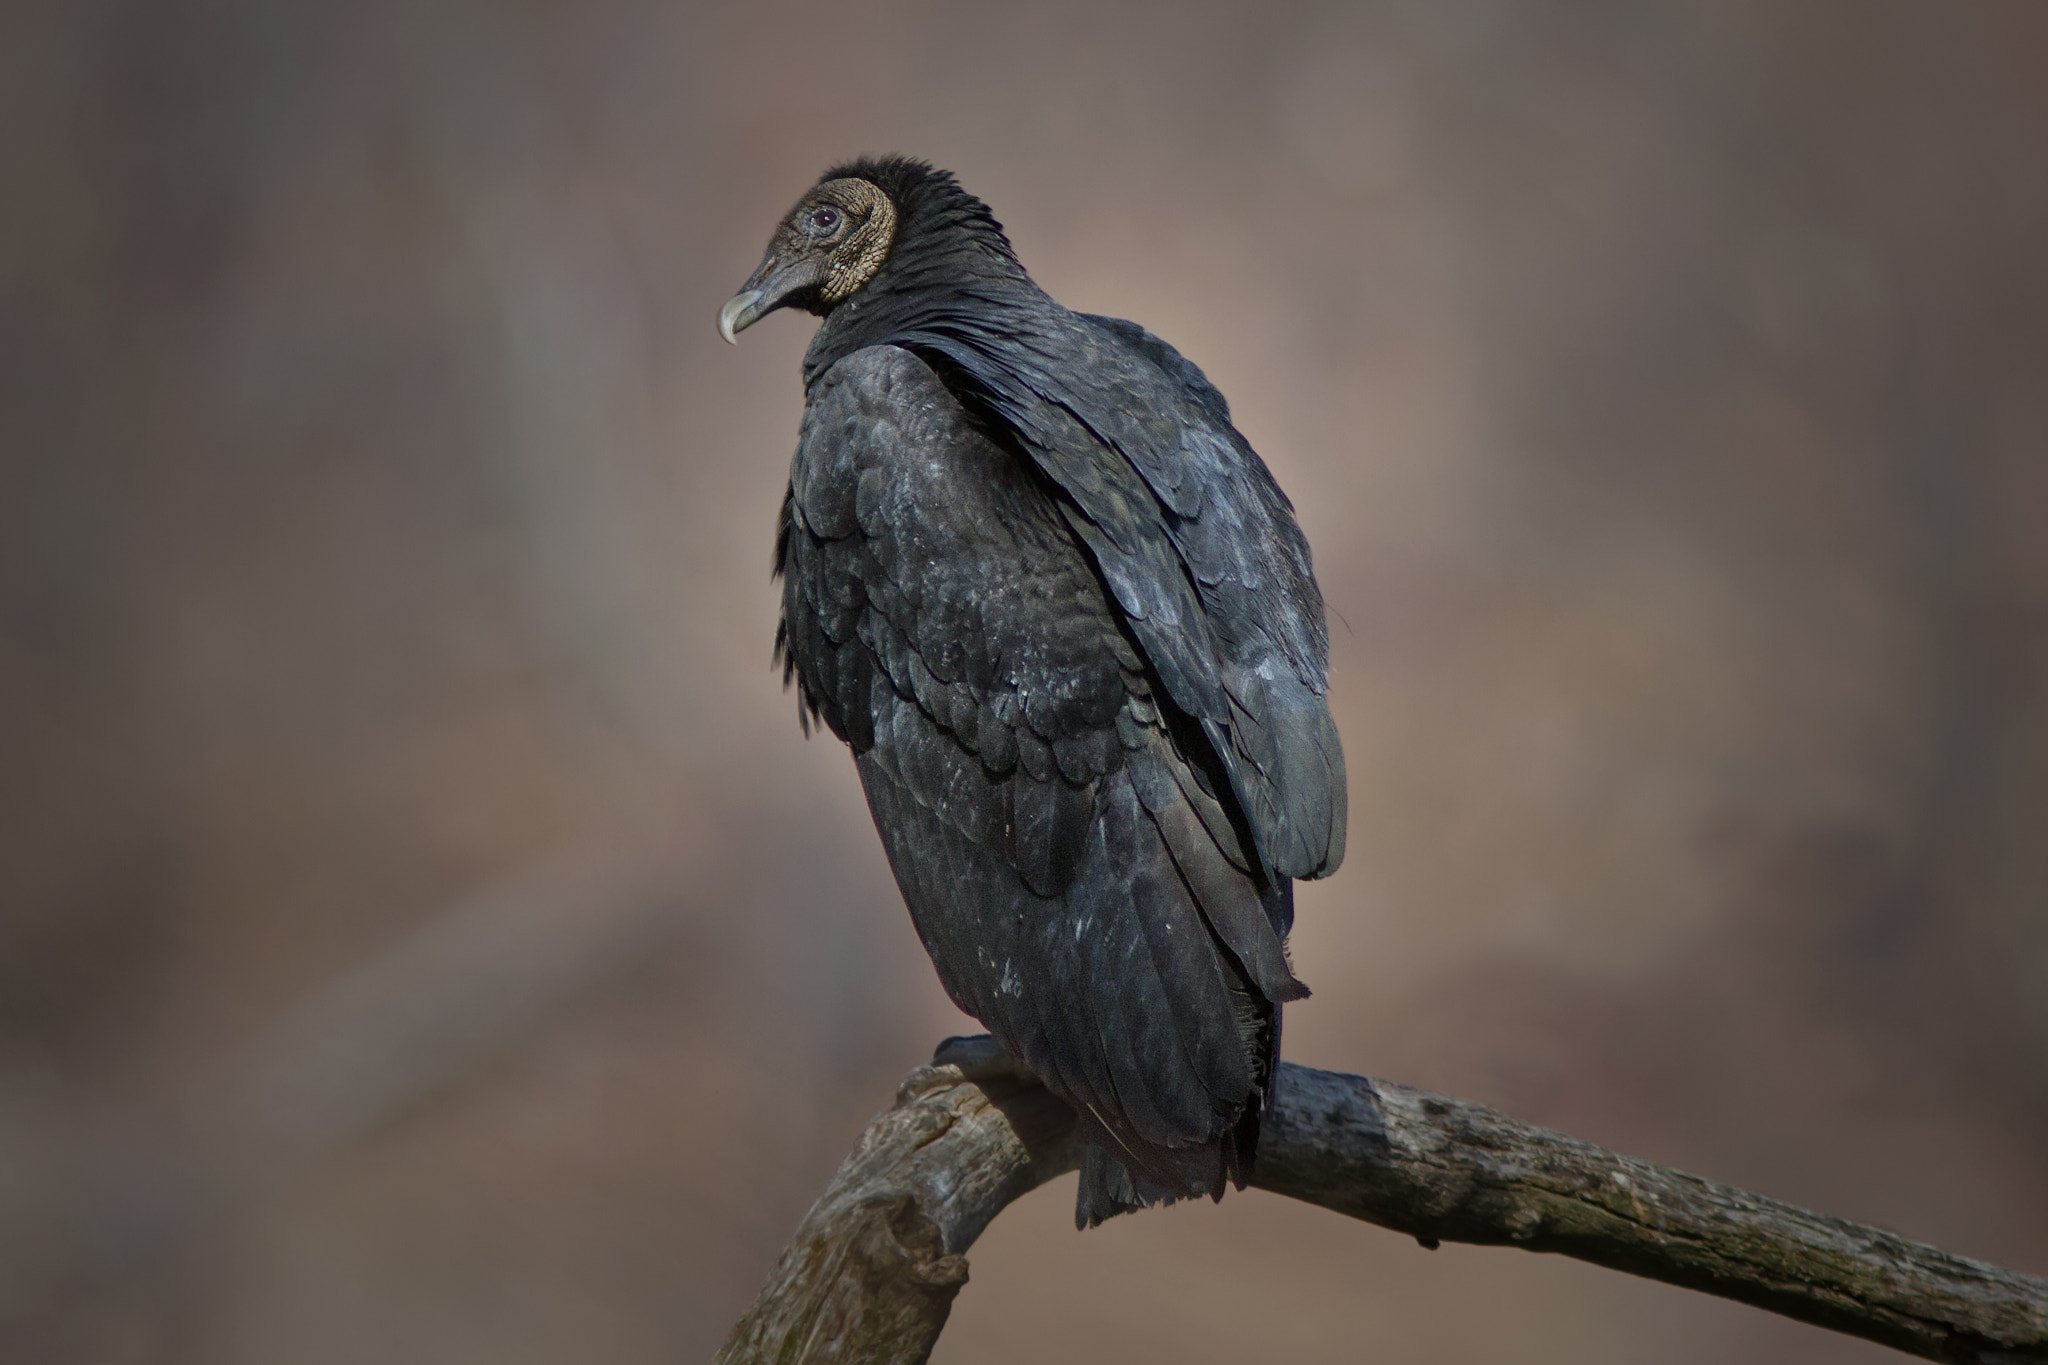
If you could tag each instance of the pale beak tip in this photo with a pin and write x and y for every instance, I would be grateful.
(738, 314)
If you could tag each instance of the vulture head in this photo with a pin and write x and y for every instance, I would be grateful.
(823, 251)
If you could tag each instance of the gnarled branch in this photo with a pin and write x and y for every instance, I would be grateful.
(872, 1270)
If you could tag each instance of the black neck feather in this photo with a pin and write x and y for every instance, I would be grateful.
(951, 261)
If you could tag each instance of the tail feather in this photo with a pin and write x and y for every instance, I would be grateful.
(1108, 1188)
(1111, 1184)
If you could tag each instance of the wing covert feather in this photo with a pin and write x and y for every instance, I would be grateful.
(1196, 541)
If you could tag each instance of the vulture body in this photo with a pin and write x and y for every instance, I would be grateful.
(1064, 618)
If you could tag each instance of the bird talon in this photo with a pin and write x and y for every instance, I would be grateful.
(979, 1057)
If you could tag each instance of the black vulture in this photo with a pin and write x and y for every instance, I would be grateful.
(1064, 617)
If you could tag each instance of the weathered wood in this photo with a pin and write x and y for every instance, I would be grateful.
(1447, 1170)
(873, 1269)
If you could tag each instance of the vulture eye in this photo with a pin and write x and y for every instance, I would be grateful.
(824, 220)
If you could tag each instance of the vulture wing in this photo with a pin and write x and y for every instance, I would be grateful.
(1196, 541)
(1077, 881)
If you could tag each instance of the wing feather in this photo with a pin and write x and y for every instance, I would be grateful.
(1197, 543)
(1077, 887)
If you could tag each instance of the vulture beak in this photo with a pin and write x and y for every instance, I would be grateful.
(739, 313)
(767, 289)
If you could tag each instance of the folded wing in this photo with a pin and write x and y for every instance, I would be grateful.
(1074, 857)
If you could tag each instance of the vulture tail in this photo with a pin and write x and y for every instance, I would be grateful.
(1108, 1188)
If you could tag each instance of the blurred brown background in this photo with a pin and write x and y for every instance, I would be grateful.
(424, 935)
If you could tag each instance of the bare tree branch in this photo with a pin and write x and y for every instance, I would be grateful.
(872, 1270)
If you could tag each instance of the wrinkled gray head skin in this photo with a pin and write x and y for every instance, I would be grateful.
(823, 251)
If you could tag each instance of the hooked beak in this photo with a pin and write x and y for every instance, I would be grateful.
(739, 313)
(767, 289)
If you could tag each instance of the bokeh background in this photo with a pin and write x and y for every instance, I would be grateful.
(425, 935)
